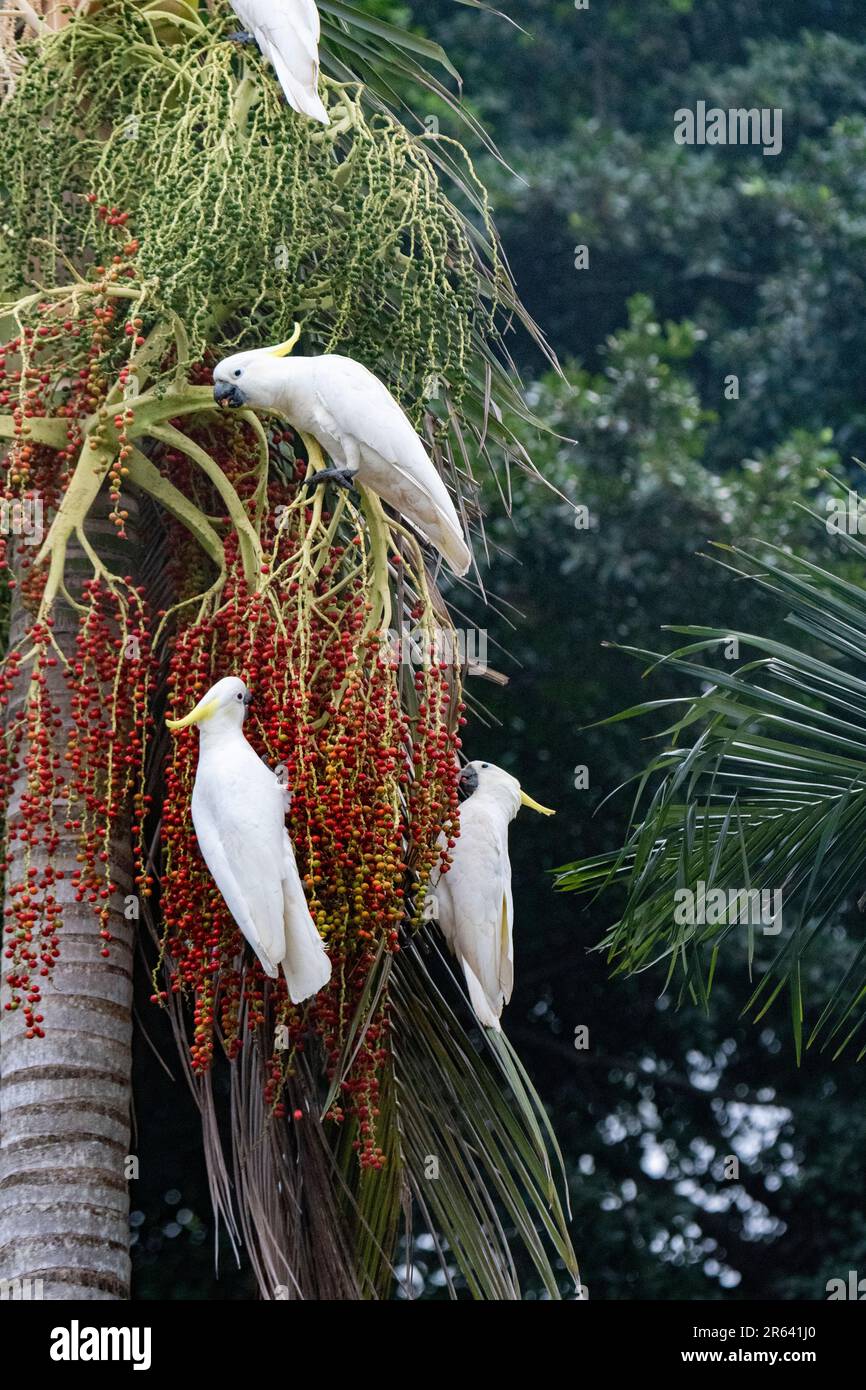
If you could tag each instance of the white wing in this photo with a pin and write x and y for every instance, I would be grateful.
(287, 32)
(356, 406)
(239, 836)
(238, 810)
(476, 913)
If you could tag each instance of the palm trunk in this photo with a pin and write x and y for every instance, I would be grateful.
(65, 1099)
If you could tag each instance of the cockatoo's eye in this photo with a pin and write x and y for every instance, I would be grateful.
(239, 696)
(237, 371)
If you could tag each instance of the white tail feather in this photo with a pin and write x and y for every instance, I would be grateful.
(454, 548)
(481, 1005)
(305, 964)
(300, 97)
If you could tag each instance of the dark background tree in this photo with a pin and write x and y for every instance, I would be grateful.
(702, 264)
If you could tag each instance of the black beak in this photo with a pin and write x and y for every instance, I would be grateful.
(226, 394)
(248, 699)
(467, 782)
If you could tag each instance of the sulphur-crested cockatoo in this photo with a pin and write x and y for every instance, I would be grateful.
(347, 411)
(287, 32)
(476, 913)
(239, 813)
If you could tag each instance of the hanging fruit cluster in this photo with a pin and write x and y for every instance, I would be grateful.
(55, 374)
(91, 761)
(371, 781)
(32, 914)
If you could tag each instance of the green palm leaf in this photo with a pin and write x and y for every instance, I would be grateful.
(476, 1122)
(760, 785)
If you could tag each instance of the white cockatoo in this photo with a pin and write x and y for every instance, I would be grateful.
(239, 813)
(287, 32)
(476, 913)
(348, 412)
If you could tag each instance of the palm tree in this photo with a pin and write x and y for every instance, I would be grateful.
(166, 210)
(746, 827)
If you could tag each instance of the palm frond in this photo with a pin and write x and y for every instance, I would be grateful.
(480, 1156)
(760, 787)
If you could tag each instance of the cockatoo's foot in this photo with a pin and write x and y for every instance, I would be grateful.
(242, 36)
(343, 477)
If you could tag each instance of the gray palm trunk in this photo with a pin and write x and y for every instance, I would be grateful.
(65, 1099)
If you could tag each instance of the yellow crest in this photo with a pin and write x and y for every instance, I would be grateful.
(283, 349)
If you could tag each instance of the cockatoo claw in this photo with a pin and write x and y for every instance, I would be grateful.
(343, 477)
(242, 36)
